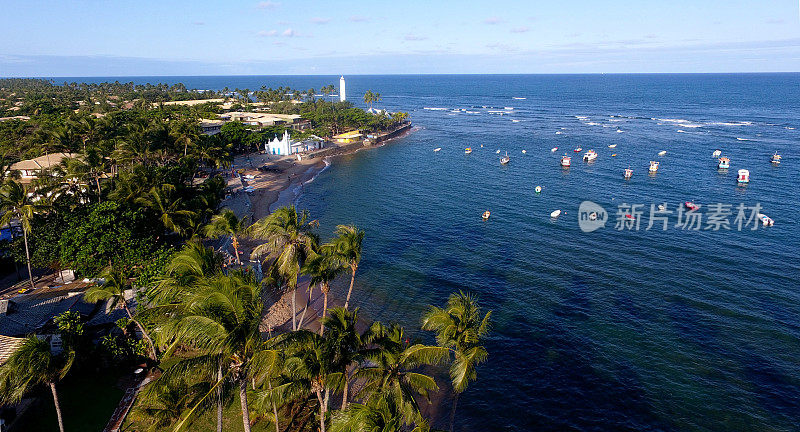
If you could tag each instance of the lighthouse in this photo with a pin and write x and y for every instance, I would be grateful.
(342, 96)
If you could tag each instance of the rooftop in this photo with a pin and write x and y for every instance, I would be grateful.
(7, 346)
(41, 162)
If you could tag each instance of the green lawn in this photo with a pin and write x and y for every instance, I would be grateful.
(87, 402)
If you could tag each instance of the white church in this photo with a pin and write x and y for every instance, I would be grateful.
(285, 145)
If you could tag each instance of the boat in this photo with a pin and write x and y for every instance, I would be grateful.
(590, 156)
(691, 205)
(538, 189)
(724, 163)
(612, 146)
(662, 152)
(505, 159)
(775, 159)
(578, 150)
(716, 153)
(555, 214)
(524, 151)
(498, 151)
(628, 173)
(437, 149)
(653, 166)
(662, 207)
(565, 161)
(766, 220)
(744, 176)
(554, 149)
(481, 145)
(468, 150)
(486, 214)
(614, 155)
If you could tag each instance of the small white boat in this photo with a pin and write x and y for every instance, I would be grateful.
(653, 166)
(566, 161)
(717, 153)
(766, 220)
(538, 189)
(724, 163)
(775, 159)
(437, 149)
(498, 151)
(612, 146)
(555, 214)
(524, 151)
(590, 156)
(554, 149)
(485, 215)
(628, 173)
(468, 150)
(662, 152)
(505, 159)
(662, 207)
(744, 176)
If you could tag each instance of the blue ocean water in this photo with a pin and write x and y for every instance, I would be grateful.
(611, 330)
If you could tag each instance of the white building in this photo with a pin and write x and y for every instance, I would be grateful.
(342, 94)
(285, 146)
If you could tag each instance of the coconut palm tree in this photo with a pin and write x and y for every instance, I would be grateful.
(381, 414)
(32, 364)
(461, 327)
(323, 269)
(167, 206)
(346, 247)
(390, 370)
(220, 321)
(113, 289)
(18, 205)
(164, 403)
(345, 345)
(290, 241)
(226, 223)
(184, 272)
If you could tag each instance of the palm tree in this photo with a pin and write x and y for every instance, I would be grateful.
(185, 271)
(168, 207)
(323, 269)
(344, 344)
(369, 98)
(226, 223)
(390, 370)
(346, 247)
(290, 241)
(164, 403)
(461, 327)
(30, 365)
(113, 290)
(17, 205)
(220, 320)
(381, 414)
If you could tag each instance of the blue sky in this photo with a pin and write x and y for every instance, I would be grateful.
(107, 38)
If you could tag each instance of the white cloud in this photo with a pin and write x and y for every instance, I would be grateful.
(268, 5)
(492, 20)
(199, 23)
(289, 33)
(267, 33)
(358, 18)
(411, 37)
(523, 29)
(318, 20)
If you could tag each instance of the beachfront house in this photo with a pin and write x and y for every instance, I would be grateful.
(30, 168)
(259, 119)
(347, 137)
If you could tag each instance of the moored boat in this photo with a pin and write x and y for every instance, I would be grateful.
(765, 220)
(612, 146)
(744, 176)
(724, 163)
(775, 159)
(653, 166)
(578, 149)
(554, 149)
(590, 156)
(691, 206)
(628, 173)
(538, 189)
(437, 149)
(555, 214)
(716, 153)
(565, 161)
(468, 150)
(505, 159)
(662, 152)
(486, 214)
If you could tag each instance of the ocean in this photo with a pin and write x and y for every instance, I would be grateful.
(670, 329)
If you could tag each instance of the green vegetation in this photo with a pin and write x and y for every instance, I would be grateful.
(132, 203)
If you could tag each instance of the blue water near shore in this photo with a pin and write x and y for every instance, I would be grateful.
(611, 330)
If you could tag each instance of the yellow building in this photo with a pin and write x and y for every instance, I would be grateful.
(347, 137)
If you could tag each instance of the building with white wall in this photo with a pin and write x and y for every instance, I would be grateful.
(342, 94)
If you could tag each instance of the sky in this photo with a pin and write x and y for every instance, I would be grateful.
(303, 37)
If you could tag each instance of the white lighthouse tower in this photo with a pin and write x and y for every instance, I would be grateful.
(342, 96)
